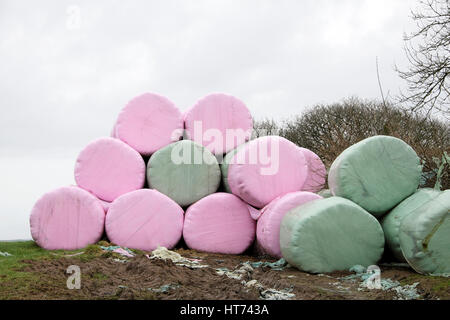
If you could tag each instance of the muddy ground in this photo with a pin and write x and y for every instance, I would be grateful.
(213, 276)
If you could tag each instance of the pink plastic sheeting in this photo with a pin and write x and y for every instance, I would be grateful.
(219, 223)
(209, 120)
(315, 180)
(67, 218)
(149, 122)
(144, 219)
(268, 227)
(106, 205)
(108, 168)
(254, 213)
(278, 167)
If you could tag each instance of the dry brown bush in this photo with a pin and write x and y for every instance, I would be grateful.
(329, 129)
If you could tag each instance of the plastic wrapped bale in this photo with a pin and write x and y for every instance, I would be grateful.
(268, 226)
(315, 180)
(391, 222)
(67, 218)
(144, 219)
(224, 166)
(425, 236)
(219, 223)
(377, 173)
(149, 122)
(108, 168)
(219, 122)
(264, 169)
(185, 171)
(331, 234)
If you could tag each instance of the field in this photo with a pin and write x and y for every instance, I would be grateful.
(30, 272)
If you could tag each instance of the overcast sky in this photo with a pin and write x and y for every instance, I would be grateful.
(68, 67)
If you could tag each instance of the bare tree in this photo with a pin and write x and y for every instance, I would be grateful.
(265, 127)
(428, 52)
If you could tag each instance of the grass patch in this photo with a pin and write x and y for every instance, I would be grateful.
(10, 266)
(442, 285)
(14, 280)
(100, 276)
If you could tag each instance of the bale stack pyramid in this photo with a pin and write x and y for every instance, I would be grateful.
(160, 178)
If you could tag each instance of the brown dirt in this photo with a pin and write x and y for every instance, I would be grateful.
(141, 278)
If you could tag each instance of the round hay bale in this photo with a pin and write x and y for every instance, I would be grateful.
(108, 168)
(219, 122)
(67, 218)
(315, 180)
(185, 171)
(144, 219)
(268, 226)
(376, 173)
(331, 234)
(391, 222)
(425, 236)
(264, 169)
(149, 122)
(219, 223)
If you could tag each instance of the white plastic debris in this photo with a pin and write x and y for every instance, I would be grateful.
(163, 253)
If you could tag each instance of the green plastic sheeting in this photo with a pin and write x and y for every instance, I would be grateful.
(331, 234)
(325, 193)
(224, 166)
(376, 173)
(425, 236)
(184, 171)
(391, 222)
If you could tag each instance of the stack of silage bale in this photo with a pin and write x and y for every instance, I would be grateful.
(376, 178)
(157, 179)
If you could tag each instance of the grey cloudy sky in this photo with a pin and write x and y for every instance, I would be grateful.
(68, 67)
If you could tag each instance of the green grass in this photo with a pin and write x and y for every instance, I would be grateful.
(13, 280)
(10, 267)
(439, 285)
(17, 280)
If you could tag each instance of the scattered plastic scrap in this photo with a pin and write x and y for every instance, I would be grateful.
(5, 254)
(118, 249)
(228, 273)
(406, 292)
(165, 288)
(358, 269)
(272, 294)
(245, 269)
(339, 286)
(163, 253)
(277, 265)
